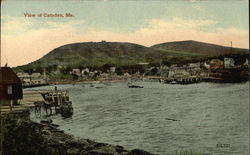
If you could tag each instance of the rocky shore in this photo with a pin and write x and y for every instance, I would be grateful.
(28, 137)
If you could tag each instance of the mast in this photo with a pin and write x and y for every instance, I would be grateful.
(232, 47)
(44, 74)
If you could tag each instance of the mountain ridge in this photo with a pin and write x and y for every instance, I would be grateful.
(200, 47)
(125, 53)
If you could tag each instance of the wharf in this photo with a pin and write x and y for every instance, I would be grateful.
(31, 96)
(23, 109)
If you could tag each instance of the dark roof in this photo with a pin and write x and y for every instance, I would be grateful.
(8, 76)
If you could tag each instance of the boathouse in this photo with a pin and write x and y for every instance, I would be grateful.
(10, 87)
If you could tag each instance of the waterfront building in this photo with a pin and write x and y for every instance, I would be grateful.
(33, 79)
(127, 75)
(246, 63)
(194, 65)
(76, 71)
(229, 62)
(216, 64)
(85, 72)
(10, 87)
(206, 65)
(177, 73)
(163, 71)
(112, 70)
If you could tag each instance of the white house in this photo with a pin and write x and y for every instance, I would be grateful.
(194, 65)
(76, 71)
(112, 69)
(85, 72)
(178, 73)
(229, 62)
(206, 65)
(246, 63)
(163, 71)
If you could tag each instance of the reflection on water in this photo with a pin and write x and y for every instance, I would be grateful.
(161, 118)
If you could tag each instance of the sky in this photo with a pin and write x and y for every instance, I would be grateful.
(146, 22)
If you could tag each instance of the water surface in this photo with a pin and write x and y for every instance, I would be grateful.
(161, 118)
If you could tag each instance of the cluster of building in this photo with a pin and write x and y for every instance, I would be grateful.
(85, 73)
(214, 69)
(191, 72)
(34, 79)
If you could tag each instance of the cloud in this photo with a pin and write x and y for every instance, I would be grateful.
(13, 25)
(178, 22)
(20, 25)
(29, 44)
(181, 29)
(198, 7)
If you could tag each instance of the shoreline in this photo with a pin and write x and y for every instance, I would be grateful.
(125, 80)
(47, 139)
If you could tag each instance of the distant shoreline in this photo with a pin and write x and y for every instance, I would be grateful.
(54, 82)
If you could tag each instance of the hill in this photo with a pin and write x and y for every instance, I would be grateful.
(191, 46)
(100, 53)
(97, 54)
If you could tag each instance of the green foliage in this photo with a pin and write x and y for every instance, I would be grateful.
(20, 135)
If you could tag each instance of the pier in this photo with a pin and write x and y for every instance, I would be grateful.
(184, 80)
(50, 101)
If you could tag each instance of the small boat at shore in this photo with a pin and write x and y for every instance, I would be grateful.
(130, 85)
(99, 87)
(58, 99)
(173, 82)
(34, 85)
(135, 86)
(65, 108)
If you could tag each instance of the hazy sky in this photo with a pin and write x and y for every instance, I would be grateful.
(25, 39)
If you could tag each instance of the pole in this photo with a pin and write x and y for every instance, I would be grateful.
(0, 56)
(231, 46)
(44, 75)
(1, 133)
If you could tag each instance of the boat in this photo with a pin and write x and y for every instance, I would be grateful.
(135, 86)
(59, 99)
(130, 85)
(99, 87)
(228, 75)
(183, 81)
(34, 85)
(65, 108)
(173, 82)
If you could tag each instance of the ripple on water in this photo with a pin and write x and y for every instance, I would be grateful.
(207, 114)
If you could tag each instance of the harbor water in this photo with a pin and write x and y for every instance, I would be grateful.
(161, 118)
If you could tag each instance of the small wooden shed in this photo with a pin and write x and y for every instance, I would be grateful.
(11, 89)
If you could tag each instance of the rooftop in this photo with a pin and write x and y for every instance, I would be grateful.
(8, 76)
